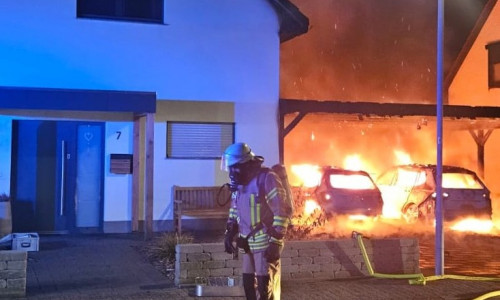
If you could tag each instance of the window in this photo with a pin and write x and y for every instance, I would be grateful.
(193, 140)
(351, 182)
(493, 65)
(461, 181)
(150, 11)
(411, 178)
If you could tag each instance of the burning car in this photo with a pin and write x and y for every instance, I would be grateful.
(348, 192)
(409, 192)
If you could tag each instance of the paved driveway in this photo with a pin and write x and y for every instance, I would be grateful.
(112, 267)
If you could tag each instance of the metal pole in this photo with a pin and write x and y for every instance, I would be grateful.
(439, 257)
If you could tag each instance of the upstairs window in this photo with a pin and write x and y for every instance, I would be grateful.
(493, 65)
(149, 11)
(196, 140)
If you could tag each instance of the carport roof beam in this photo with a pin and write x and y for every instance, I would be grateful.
(288, 106)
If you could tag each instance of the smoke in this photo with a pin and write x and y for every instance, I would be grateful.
(372, 50)
(362, 50)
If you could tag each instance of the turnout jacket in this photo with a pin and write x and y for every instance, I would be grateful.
(272, 216)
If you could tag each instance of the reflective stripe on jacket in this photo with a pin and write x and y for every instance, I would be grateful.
(247, 210)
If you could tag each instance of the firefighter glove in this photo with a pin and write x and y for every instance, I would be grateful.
(231, 232)
(273, 252)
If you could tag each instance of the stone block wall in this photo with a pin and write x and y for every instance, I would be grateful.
(325, 259)
(13, 266)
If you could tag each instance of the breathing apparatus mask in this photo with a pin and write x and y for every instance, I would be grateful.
(241, 174)
(241, 163)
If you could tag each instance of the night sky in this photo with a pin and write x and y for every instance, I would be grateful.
(372, 50)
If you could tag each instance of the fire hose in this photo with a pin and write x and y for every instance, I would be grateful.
(419, 278)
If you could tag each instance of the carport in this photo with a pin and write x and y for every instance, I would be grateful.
(479, 121)
(98, 105)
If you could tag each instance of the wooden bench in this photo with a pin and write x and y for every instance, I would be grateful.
(210, 202)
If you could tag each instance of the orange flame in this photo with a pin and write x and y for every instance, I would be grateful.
(353, 162)
(474, 225)
(307, 175)
(310, 206)
(402, 158)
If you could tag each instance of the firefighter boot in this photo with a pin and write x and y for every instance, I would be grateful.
(249, 286)
(264, 287)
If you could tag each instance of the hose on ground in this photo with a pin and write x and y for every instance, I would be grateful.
(419, 278)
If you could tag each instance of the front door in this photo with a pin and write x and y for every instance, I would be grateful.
(57, 176)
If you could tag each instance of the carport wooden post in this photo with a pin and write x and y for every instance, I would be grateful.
(138, 173)
(480, 138)
(140, 179)
(149, 173)
(284, 130)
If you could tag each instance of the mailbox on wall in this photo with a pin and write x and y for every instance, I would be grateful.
(121, 163)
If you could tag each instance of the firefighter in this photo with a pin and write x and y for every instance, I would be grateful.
(258, 216)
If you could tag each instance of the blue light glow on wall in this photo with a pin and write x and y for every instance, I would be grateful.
(206, 52)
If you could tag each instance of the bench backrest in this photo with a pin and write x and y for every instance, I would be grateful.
(203, 197)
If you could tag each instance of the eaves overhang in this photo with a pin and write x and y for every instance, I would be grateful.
(292, 22)
(27, 98)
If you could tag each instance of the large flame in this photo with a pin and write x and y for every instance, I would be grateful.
(353, 162)
(395, 195)
(310, 206)
(402, 158)
(474, 225)
(307, 175)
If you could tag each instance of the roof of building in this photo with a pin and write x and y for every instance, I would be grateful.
(292, 22)
(485, 13)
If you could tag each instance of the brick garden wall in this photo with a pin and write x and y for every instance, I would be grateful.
(325, 259)
(13, 273)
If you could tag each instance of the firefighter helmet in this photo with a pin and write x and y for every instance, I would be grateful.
(237, 153)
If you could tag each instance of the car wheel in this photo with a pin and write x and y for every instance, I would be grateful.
(410, 213)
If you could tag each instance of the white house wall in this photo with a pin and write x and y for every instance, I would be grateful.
(117, 187)
(222, 50)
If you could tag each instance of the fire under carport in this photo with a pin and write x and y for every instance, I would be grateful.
(479, 121)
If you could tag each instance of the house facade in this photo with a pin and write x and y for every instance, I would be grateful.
(92, 95)
(475, 80)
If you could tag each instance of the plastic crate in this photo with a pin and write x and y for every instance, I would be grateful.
(25, 241)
